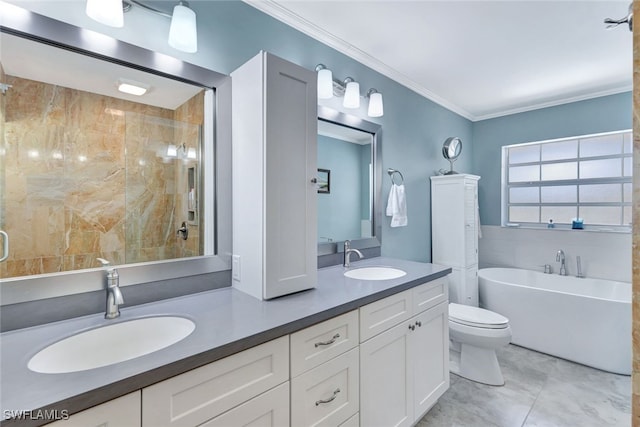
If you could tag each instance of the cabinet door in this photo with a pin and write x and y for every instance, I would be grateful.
(291, 163)
(270, 409)
(430, 357)
(121, 412)
(386, 394)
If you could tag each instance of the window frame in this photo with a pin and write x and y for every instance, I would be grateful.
(621, 180)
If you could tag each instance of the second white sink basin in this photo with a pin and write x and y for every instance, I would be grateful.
(375, 273)
(111, 344)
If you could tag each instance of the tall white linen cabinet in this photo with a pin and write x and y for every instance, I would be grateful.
(454, 233)
(274, 165)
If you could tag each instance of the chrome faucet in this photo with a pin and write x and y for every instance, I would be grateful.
(560, 259)
(114, 294)
(347, 253)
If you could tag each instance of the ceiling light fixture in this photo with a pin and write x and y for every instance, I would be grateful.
(131, 87)
(183, 32)
(107, 12)
(350, 89)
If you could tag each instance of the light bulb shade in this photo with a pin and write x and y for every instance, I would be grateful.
(352, 95)
(376, 107)
(325, 84)
(183, 34)
(107, 12)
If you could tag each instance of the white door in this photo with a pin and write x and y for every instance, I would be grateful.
(386, 395)
(291, 198)
(429, 344)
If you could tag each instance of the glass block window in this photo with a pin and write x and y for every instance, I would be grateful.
(586, 177)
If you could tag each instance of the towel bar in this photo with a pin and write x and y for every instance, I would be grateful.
(392, 172)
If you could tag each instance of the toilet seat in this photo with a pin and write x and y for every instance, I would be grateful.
(476, 317)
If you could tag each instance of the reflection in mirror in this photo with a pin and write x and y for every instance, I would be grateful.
(89, 171)
(345, 212)
(349, 148)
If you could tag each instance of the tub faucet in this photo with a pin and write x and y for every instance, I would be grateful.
(560, 259)
(347, 253)
(114, 294)
(579, 273)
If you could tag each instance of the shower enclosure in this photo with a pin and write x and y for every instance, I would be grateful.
(84, 176)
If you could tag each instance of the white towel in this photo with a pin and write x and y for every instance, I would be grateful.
(397, 206)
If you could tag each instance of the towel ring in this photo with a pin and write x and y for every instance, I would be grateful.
(392, 172)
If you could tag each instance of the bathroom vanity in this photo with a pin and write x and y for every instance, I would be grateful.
(298, 360)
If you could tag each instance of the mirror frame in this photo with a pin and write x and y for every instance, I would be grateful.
(332, 116)
(216, 175)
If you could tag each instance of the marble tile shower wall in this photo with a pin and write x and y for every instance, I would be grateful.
(83, 179)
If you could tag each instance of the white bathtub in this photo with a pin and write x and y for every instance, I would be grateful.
(584, 320)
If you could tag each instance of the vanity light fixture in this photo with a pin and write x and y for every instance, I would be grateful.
(351, 94)
(107, 12)
(131, 87)
(350, 89)
(325, 82)
(376, 107)
(172, 151)
(183, 32)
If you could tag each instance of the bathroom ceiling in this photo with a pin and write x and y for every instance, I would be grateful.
(481, 59)
(31, 60)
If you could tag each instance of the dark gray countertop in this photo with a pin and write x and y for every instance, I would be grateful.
(227, 321)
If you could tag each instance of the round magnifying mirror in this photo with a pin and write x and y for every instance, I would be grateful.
(451, 149)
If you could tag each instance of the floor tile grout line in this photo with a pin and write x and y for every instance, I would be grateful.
(546, 381)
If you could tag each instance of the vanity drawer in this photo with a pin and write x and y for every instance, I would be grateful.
(352, 422)
(317, 344)
(199, 395)
(430, 294)
(328, 394)
(384, 314)
(270, 409)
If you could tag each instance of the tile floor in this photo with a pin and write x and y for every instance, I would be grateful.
(540, 391)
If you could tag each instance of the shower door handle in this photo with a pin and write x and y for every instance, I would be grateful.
(5, 246)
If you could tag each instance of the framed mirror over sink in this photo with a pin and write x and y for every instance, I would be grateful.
(348, 147)
(90, 169)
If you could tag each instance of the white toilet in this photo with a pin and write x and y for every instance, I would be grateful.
(474, 335)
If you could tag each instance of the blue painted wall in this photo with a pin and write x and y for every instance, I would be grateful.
(414, 128)
(604, 114)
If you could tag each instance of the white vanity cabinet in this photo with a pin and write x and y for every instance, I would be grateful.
(121, 412)
(454, 232)
(202, 394)
(404, 363)
(325, 373)
(274, 116)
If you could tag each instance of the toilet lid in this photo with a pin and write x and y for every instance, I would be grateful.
(476, 317)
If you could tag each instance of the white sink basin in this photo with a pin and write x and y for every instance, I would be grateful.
(111, 344)
(374, 273)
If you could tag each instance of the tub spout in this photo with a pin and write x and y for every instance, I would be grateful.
(560, 258)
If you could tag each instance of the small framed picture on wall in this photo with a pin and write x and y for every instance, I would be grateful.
(324, 181)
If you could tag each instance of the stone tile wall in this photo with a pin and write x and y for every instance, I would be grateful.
(85, 178)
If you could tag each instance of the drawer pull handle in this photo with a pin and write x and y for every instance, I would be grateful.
(418, 323)
(331, 341)
(331, 399)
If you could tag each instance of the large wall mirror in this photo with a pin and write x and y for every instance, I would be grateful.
(349, 171)
(105, 155)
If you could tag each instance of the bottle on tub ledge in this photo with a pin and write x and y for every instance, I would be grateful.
(551, 224)
(577, 224)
